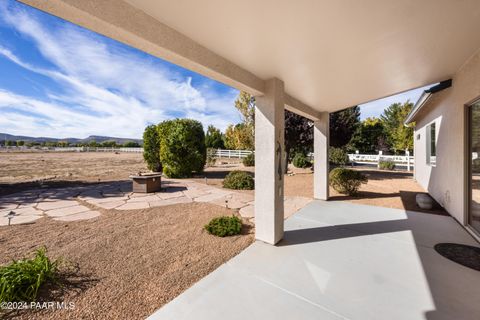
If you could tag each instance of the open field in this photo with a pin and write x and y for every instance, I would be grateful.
(130, 262)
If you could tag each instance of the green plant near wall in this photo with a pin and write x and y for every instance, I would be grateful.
(346, 181)
(21, 279)
(224, 226)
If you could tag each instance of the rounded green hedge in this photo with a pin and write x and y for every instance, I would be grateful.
(239, 180)
(182, 147)
(337, 156)
(346, 181)
(301, 161)
(224, 226)
(151, 148)
(249, 161)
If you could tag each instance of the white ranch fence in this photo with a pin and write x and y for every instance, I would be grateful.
(222, 153)
(401, 161)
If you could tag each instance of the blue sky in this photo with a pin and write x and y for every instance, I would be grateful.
(60, 80)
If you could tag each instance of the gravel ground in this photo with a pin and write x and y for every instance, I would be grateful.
(129, 263)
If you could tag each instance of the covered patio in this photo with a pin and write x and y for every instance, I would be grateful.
(341, 261)
(336, 260)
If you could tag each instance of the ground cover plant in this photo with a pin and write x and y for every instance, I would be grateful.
(21, 279)
(386, 165)
(239, 180)
(224, 226)
(347, 181)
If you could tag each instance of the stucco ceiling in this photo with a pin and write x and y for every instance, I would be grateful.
(332, 54)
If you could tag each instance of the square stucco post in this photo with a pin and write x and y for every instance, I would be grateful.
(321, 134)
(269, 149)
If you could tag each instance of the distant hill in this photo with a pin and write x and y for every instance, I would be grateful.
(99, 139)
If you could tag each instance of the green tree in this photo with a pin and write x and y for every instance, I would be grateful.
(20, 143)
(343, 124)
(182, 147)
(242, 136)
(399, 136)
(151, 148)
(131, 144)
(298, 134)
(214, 138)
(369, 137)
(10, 143)
(239, 137)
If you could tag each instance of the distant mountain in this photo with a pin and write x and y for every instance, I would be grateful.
(9, 137)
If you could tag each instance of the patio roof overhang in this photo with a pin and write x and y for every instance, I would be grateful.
(330, 54)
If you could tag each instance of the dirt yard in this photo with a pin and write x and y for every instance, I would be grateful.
(23, 170)
(130, 263)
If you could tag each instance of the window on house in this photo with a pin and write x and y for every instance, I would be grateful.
(431, 145)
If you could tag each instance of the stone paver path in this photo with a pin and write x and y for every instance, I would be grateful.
(68, 204)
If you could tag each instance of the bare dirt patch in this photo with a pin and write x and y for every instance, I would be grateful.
(130, 263)
(23, 170)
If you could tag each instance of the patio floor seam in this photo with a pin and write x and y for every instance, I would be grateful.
(297, 296)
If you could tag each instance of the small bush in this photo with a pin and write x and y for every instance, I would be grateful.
(211, 159)
(249, 161)
(239, 180)
(224, 226)
(21, 279)
(476, 165)
(386, 165)
(337, 156)
(301, 161)
(346, 181)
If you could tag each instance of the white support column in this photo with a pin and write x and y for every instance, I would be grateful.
(269, 149)
(321, 130)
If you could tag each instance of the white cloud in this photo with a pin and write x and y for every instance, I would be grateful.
(106, 89)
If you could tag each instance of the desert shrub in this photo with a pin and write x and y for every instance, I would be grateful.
(346, 181)
(21, 279)
(301, 161)
(249, 161)
(211, 159)
(386, 165)
(182, 147)
(239, 180)
(337, 156)
(151, 148)
(224, 226)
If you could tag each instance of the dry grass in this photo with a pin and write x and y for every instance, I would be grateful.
(129, 263)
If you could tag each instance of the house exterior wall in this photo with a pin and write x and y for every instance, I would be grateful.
(445, 181)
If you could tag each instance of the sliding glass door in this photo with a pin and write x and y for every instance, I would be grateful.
(474, 165)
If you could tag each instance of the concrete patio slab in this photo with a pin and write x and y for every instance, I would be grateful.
(79, 216)
(19, 219)
(341, 260)
(61, 212)
(133, 206)
(49, 205)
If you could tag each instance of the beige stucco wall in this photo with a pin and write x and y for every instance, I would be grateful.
(445, 181)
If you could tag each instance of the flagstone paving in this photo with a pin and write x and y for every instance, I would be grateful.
(68, 204)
